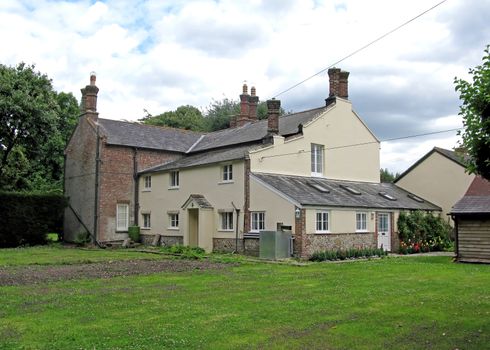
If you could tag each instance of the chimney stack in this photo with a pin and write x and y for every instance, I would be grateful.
(253, 102)
(89, 97)
(273, 107)
(244, 107)
(339, 83)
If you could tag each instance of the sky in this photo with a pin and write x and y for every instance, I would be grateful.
(158, 55)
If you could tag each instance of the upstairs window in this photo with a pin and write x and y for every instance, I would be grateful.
(361, 222)
(148, 183)
(174, 179)
(317, 159)
(226, 221)
(122, 217)
(227, 173)
(257, 221)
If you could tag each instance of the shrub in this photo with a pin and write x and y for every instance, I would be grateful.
(134, 233)
(26, 219)
(421, 232)
(352, 253)
(185, 251)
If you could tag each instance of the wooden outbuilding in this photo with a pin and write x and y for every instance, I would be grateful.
(471, 215)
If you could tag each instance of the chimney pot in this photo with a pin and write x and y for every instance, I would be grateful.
(89, 98)
(253, 91)
(92, 78)
(245, 89)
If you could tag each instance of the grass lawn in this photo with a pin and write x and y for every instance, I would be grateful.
(392, 303)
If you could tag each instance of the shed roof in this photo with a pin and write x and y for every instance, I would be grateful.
(476, 200)
(312, 191)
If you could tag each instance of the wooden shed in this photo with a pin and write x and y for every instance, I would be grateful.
(471, 215)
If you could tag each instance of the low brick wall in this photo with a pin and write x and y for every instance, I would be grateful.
(329, 241)
(251, 246)
(164, 240)
(227, 245)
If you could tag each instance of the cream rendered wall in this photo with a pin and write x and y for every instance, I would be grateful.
(339, 126)
(204, 180)
(439, 180)
(343, 220)
(276, 208)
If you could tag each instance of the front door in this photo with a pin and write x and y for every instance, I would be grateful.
(193, 227)
(384, 231)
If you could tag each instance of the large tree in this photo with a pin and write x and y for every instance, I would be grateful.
(475, 110)
(35, 122)
(184, 117)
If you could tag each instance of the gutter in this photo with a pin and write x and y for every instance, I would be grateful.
(96, 194)
(136, 185)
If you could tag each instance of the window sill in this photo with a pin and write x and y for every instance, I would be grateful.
(146, 190)
(173, 228)
(146, 228)
(121, 231)
(225, 182)
(227, 230)
(173, 187)
(362, 231)
(322, 232)
(317, 174)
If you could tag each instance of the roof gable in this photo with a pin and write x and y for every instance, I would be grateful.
(451, 155)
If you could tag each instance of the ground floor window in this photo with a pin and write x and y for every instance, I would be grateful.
(146, 220)
(361, 222)
(257, 221)
(122, 217)
(226, 221)
(173, 219)
(322, 221)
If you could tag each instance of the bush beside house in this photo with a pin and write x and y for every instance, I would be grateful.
(420, 232)
(27, 218)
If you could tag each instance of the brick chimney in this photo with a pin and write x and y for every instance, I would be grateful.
(339, 83)
(273, 107)
(244, 107)
(253, 102)
(89, 97)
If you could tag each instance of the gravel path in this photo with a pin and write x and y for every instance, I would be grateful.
(33, 274)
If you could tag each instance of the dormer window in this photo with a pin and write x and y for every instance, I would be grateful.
(317, 159)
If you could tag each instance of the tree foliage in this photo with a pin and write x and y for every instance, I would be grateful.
(387, 176)
(475, 110)
(35, 122)
(184, 117)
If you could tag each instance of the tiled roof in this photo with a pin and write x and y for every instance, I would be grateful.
(312, 191)
(452, 155)
(147, 136)
(476, 200)
(210, 157)
(253, 132)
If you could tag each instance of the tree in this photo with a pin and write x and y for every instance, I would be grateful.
(475, 110)
(35, 122)
(387, 176)
(184, 117)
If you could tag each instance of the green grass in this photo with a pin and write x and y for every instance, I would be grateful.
(392, 303)
(55, 254)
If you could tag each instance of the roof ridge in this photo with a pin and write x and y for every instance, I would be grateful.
(161, 127)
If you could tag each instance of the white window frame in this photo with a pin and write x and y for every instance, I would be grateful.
(147, 182)
(322, 221)
(122, 217)
(174, 181)
(173, 221)
(227, 173)
(317, 159)
(226, 221)
(257, 221)
(361, 221)
(146, 220)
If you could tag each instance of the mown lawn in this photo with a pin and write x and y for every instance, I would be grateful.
(393, 303)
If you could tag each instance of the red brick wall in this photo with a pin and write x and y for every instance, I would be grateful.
(117, 183)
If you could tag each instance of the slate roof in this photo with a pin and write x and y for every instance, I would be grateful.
(452, 155)
(201, 201)
(476, 200)
(147, 136)
(213, 156)
(253, 132)
(302, 190)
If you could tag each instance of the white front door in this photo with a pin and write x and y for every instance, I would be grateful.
(384, 231)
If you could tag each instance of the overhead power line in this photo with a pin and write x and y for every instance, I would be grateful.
(365, 143)
(361, 48)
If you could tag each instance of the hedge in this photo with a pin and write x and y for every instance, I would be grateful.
(25, 219)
